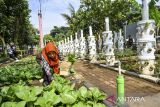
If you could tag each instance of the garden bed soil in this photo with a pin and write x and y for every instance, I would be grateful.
(64, 68)
(36, 83)
(105, 80)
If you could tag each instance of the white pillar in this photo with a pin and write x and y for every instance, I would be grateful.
(92, 46)
(82, 46)
(107, 23)
(71, 45)
(145, 9)
(108, 47)
(146, 41)
(115, 40)
(76, 45)
(120, 41)
(99, 43)
(65, 46)
(62, 46)
(90, 31)
(68, 46)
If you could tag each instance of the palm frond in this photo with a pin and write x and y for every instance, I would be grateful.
(71, 9)
(67, 17)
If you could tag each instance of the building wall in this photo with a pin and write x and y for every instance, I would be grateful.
(131, 30)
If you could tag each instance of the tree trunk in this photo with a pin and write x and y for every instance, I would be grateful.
(16, 32)
(158, 34)
(4, 44)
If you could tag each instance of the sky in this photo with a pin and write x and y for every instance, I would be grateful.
(51, 12)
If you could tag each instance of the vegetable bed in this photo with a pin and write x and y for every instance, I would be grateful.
(25, 70)
(60, 93)
(18, 92)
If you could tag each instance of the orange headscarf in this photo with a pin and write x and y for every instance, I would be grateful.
(53, 63)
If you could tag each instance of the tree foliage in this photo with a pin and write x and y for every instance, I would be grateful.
(93, 12)
(14, 22)
(59, 32)
(48, 37)
(155, 14)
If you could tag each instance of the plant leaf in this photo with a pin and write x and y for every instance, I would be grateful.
(98, 105)
(8, 104)
(26, 95)
(97, 95)
(36, 90)
(21, 104)
(81, 104)
(14, 104)
(5, 90)
(82, 93)
(67, 98)
(49, 99)
(0, 99)
(41, 101)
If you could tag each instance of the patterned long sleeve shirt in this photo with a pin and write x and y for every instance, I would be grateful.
(46, 66)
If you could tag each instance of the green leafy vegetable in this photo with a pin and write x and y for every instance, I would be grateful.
(14, 104)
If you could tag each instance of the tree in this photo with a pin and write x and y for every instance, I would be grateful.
(60, 32)
(14, 22)
(155, 15)
(93, 12)
(35, 39)
(48, 37)
(32, 38)
(71, 19)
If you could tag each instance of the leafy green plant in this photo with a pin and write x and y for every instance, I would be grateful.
(69, 98)
(58, 94)
(25, 70)
(97, 95)
(84, 94)
(157, 68)
(72, 59)
(125, 53)
(14, 104)
(48, 100)
(81, 104)
(101, 56)
(28, 94)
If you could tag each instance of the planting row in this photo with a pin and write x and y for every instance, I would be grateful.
(27, 69)
(60, 93)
